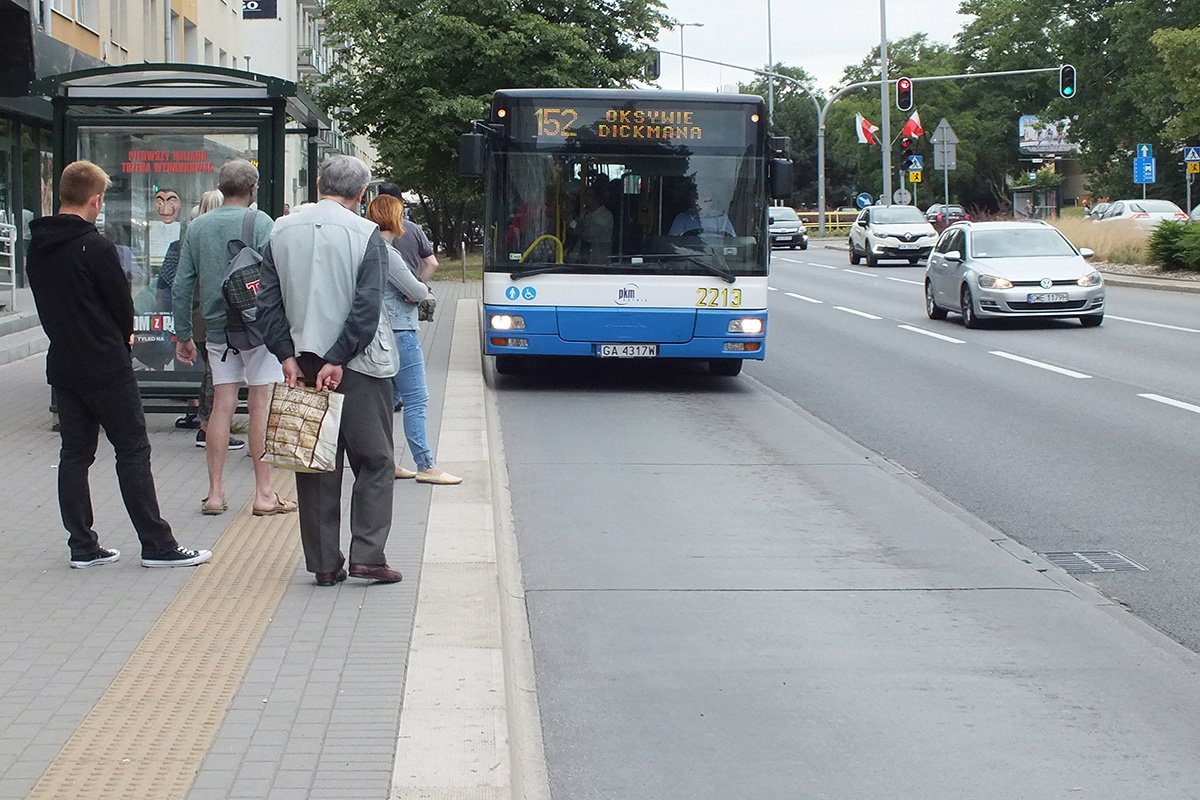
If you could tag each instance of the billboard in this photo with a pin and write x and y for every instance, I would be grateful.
(1037, 138)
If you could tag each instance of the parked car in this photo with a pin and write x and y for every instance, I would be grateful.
(890, 232)
(942, 215)
(1196, 214)
(1097, 211)
(986, 270)
(787, 229)
(1143, 213)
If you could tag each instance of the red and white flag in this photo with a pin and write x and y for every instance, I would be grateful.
(913, 126)
(866, 130)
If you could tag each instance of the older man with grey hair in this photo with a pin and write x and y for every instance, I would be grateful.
(320, 310)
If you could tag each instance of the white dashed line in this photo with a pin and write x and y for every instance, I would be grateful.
(802, 297)
(1158, 398)
(1154, 324)
(1040, 365)
(905, 280)
(772, 289)
(924, 332)
(815, 264)
(789, 260)
(857, 313)
(864, 274)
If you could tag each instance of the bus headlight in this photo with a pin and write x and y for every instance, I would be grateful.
(751, 325)
(506, 322)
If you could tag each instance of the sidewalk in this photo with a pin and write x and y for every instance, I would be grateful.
(240, 679)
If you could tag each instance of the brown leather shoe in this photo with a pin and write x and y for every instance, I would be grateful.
(330, 578)
(381, 573)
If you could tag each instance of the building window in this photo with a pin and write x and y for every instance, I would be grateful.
(208, 52)
(191, 40)
(119, 22)
(223, 59)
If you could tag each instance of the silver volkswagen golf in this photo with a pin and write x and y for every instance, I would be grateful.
(1011, 269)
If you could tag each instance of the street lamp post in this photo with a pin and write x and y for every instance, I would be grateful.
(683, 60)
(770, 78)
(885, 112)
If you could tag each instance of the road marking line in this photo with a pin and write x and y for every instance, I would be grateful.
(856, 272)
(1154, 324)
(924, 332)
(789, 260)
(905, 280)
(802, 297)
(815, 264)
(857, 313)
(1069, 373)
(1158, 398)
(772, 289)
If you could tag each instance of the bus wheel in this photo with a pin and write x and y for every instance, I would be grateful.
(725, 366)
(508, 365)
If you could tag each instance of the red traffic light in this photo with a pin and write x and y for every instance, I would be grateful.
(906, 142)
(904, 94)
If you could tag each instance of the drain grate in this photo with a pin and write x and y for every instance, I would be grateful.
(1089, 562)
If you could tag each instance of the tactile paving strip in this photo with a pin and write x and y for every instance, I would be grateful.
(148, 734)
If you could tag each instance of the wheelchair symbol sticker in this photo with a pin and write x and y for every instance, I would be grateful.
(528, 293)
(512, 293)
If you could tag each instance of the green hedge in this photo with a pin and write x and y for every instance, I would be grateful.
(1176, 245)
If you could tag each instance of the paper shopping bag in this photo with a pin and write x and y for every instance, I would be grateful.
(302, 429)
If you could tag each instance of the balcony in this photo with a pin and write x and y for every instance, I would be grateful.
(314, 7)
(311, 61)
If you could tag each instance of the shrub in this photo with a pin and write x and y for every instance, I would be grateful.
(1116, 242)
(1189, 246)
(1164, 243)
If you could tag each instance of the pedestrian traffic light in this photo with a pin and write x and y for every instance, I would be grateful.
(1066, 81)
(904, 94)
(906, 153)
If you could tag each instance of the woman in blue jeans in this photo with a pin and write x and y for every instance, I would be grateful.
(401, 295)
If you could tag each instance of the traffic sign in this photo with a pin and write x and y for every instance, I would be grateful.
(1144, 170)
(914, 176)
(1191, 154)
(1193, 167)
(943, 133)
(1143, 151)
(863, 200)
(902, 196)
(916, 163)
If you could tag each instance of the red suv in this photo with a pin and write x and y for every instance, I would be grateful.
(941, 215)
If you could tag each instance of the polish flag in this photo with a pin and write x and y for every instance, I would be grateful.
(913, 126)
(866, 130)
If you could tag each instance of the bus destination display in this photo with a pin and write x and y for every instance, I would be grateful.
(558, 125)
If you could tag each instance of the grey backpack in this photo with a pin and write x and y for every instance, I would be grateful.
(240, 289)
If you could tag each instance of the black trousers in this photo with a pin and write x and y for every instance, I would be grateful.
(117, 409)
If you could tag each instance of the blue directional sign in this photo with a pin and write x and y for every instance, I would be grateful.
(1143, 170)
(1143, 151)
(1191, 154)
(863, 200)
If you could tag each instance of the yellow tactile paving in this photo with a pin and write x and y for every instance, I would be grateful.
(148, 734)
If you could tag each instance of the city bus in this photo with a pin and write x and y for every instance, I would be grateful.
(626, 224)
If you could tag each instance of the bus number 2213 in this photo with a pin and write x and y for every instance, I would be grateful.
(718, 298)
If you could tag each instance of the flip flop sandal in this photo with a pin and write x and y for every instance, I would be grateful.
(212, 511)
(281, 507)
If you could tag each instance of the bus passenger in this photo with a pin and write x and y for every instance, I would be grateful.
(593, 231)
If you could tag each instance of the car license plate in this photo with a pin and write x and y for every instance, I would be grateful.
(907, 246)
(627, 351)
(780, 237)
(1057, 297)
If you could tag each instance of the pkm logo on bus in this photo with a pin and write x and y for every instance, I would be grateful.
(627, 294)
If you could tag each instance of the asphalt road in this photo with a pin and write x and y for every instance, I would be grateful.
(1066, 439)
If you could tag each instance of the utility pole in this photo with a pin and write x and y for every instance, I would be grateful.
(885, 123)
(770, 78)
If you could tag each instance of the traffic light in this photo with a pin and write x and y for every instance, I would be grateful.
(653, 68)
(904, 94)
(906, 153)
(1066, 81)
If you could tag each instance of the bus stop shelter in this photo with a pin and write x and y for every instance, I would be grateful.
(162, 132)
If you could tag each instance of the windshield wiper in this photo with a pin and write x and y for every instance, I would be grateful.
(542, 269)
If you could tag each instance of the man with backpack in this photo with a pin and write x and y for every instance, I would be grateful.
(215, 245)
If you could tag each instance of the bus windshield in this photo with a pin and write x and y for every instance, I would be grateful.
(605, 212)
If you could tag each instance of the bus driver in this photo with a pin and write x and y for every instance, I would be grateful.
(703, 217)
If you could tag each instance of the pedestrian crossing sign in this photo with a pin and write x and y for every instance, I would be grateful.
(914, 176)
(1193, 167)
(1191, 154)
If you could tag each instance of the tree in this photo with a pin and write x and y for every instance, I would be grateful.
(796, 118)
(1178, 49)
(412, 75)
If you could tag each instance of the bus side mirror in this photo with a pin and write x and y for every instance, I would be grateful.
(781, 178)
(471, 154)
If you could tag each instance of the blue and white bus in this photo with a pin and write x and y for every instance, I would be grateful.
(626, 224)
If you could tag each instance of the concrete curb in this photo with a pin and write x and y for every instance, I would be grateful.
(530, 777)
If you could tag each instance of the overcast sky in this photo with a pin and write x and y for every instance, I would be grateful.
(822, 36)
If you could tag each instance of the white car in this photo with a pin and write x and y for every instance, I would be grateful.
(891, 232)
(1143, 213)
(986, 270)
